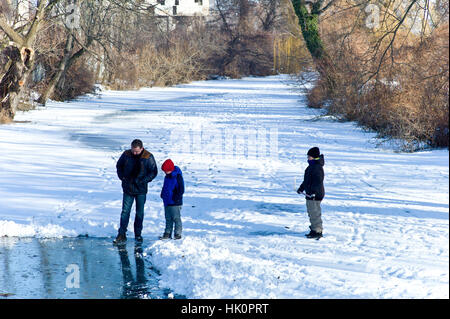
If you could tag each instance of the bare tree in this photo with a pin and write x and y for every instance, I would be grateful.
(21, 57)
(103, 25)
(268, 13)
(386, 60)
(390, 19)
(245, 36)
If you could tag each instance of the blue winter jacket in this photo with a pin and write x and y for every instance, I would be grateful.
(173, 188)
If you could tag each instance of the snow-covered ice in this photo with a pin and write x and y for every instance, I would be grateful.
(242, 147)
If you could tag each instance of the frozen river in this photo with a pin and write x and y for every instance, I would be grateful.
(75, 268)
(241, 145)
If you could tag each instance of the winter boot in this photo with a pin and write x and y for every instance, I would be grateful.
(314, 234)
(177, 237)
(165, 236)
(139, 239)
(120, 239)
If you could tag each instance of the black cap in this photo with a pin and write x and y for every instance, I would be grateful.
(314, 152)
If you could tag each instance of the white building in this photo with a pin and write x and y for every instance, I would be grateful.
(181, 7)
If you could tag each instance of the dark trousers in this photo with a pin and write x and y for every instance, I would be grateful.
(127, 203)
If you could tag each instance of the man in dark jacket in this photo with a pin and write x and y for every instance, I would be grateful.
(314, 191)
(136, 168)
(172, 196)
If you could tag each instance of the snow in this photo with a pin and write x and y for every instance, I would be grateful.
(241, 145)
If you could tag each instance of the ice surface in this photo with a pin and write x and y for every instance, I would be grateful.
(75, 268)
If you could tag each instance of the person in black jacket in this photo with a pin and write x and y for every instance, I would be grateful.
(314, 191)
(136, 168)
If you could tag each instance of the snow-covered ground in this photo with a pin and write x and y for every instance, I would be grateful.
(242, 147)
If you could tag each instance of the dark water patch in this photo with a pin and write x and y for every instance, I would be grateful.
(96, 141)
(271, 208)
(125, 113)
(76, 268)
(141, 110)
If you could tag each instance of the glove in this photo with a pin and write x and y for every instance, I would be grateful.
(310, 197)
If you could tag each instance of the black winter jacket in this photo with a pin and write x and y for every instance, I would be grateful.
(136, 172)
(313, 179)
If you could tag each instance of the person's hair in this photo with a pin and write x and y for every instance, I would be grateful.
(137, 143)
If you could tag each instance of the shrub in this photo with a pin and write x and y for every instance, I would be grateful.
(408, 97)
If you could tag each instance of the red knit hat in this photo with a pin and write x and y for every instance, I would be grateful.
(168, 165)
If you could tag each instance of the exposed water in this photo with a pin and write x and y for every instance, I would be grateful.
(75, 268)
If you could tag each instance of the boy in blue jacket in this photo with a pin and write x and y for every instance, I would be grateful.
(172, 196)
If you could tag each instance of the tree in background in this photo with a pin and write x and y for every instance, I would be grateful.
(367, 56)
(20, 55)
(308, 13)
(100, 27)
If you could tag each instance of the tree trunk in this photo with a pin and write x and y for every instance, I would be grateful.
(13, 80)
(62, 67)
(244, 30)
(244, 9)
(21, 55)
(309, 24)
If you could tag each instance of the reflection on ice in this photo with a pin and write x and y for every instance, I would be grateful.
(75, 268)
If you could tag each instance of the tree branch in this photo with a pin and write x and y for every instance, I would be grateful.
(13, 35)
(391, 43)
(329, 4)
(36, 21)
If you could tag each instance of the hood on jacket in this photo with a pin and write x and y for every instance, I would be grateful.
(320, 160)
(176, 171)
